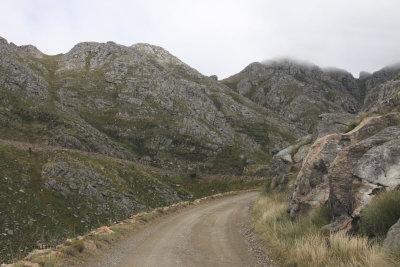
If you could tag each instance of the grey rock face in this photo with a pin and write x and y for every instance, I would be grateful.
(383, 97)
(381, 164)
(312, 186)
(283, 161)
(392, 241)
(301, 153)
(19, 78)
(382, 90)
(346, 170)
(333, 123)
(351, 191)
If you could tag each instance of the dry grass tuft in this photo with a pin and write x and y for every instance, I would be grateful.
(303, 243)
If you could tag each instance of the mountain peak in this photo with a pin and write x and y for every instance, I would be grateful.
(3, 40)
(158, 52)
(32, 50)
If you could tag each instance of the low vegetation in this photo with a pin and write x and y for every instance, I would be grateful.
(380, 214)
(305, 142)
(354, 124)
(306, 242)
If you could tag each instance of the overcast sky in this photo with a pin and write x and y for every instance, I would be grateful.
(217, 36)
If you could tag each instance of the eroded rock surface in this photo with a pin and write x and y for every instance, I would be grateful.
(311, 186)
(333, 123)
(346, 170)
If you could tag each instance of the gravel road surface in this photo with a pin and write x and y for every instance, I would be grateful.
(210, 234)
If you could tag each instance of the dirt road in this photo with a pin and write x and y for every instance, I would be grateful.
(207, 235)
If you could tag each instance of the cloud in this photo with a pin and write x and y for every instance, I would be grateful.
(218, 37)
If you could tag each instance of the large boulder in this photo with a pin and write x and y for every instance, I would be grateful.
(360, 170)
(392, 241)
(285, 163)
(311, 186)
(348, 169)
(282, 161)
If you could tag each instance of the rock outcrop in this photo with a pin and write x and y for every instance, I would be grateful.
(312, 185)
(361, 170)
(346, 170)
(283, 162)
(333, 123)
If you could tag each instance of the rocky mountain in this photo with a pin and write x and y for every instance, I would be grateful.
(298, 91)
(138, 102)
(98, 120)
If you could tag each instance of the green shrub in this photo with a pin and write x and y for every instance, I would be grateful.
(352, 126)
(380, 214)
(78, 245)
(70, 251)
(302, 143)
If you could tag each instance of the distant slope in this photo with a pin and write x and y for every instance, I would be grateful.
(298, 91)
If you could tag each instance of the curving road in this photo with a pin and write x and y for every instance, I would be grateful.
(206, 235)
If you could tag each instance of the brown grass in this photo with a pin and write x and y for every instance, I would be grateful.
(303, 243)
